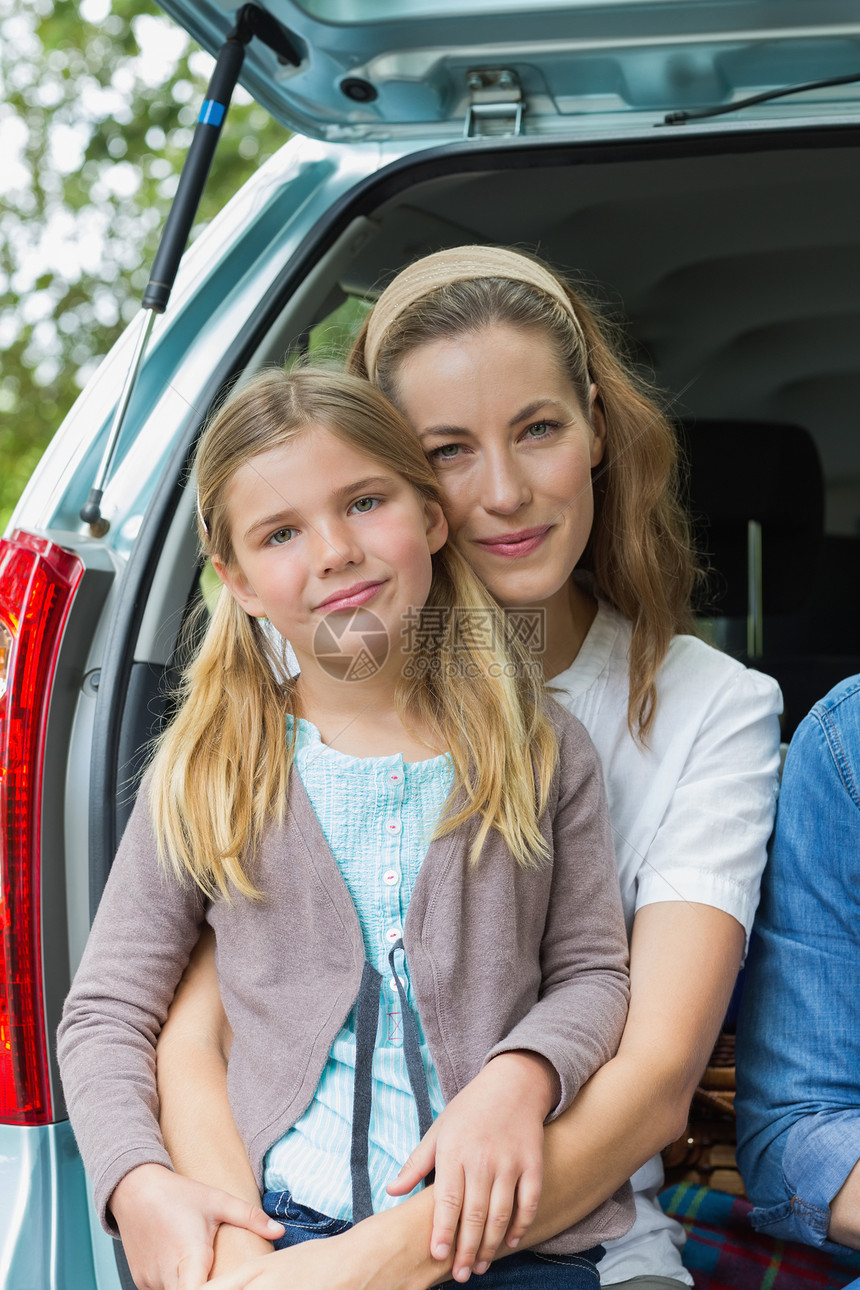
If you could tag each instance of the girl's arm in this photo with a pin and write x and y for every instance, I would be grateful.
(179, 1228)
(635, 1105)
(140, 943)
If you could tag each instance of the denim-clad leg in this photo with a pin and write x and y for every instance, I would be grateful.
(526, 1271)
(300, 1223)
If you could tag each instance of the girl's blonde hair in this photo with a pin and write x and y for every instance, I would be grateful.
(640, 551)
(220, 774)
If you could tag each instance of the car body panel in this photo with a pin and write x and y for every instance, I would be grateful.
(224, 277)
(219, 286)
(421, 64)
(47, 1238)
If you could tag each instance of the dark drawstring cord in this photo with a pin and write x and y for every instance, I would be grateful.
(366, 1017)
(412, 1049)
(366, 1021)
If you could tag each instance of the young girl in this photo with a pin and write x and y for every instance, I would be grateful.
(410, 882)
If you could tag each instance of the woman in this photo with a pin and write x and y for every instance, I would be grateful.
(552, 458)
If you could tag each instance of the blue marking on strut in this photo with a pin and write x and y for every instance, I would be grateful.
(211, 113)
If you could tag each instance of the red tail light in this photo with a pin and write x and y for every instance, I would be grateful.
(38, 581)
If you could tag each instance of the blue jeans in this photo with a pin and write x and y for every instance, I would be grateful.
(526, 1271)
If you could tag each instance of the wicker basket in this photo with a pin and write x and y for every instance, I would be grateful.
(705, 1153)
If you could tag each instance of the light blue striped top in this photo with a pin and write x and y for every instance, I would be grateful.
(377, 815)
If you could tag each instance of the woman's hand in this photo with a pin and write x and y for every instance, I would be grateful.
(168, 1226)
(487, 1150)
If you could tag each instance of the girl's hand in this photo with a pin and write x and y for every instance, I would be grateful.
(235, 1246)
(487, 1150)
(311, 1266)
(355, 1260)
(168, 1226)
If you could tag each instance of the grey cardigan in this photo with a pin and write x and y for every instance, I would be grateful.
(501, 957)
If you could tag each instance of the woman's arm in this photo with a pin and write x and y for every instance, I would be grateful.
(195, 1117)
(193, 1050)
(177, 1230)
(684, 960)
(683, 965)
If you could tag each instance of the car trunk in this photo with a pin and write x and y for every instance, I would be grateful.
(729, 258)
(725, 248)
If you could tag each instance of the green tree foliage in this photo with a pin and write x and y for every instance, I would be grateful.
(98, 100)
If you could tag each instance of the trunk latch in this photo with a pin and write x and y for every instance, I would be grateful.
(496, 103)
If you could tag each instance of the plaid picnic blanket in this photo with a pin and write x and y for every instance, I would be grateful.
(724, 1252)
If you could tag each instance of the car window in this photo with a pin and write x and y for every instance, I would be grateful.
(331, 339)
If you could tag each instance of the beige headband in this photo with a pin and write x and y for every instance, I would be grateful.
(459, 264)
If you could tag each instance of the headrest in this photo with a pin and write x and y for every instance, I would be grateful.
(748, 470)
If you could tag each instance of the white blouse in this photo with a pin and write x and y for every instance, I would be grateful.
(691, 813)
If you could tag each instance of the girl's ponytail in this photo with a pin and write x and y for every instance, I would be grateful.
(481, 690)
(222, 765)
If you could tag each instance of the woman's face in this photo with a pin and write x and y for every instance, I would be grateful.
(513, 450)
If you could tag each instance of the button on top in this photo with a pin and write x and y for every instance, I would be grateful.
(395, 777)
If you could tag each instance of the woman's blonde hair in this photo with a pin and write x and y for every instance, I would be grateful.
(640, 552)
(220, 774)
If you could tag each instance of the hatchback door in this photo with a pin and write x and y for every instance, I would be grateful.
(412, 69)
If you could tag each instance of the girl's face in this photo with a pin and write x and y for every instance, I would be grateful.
(321, 530)
(513, 450)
